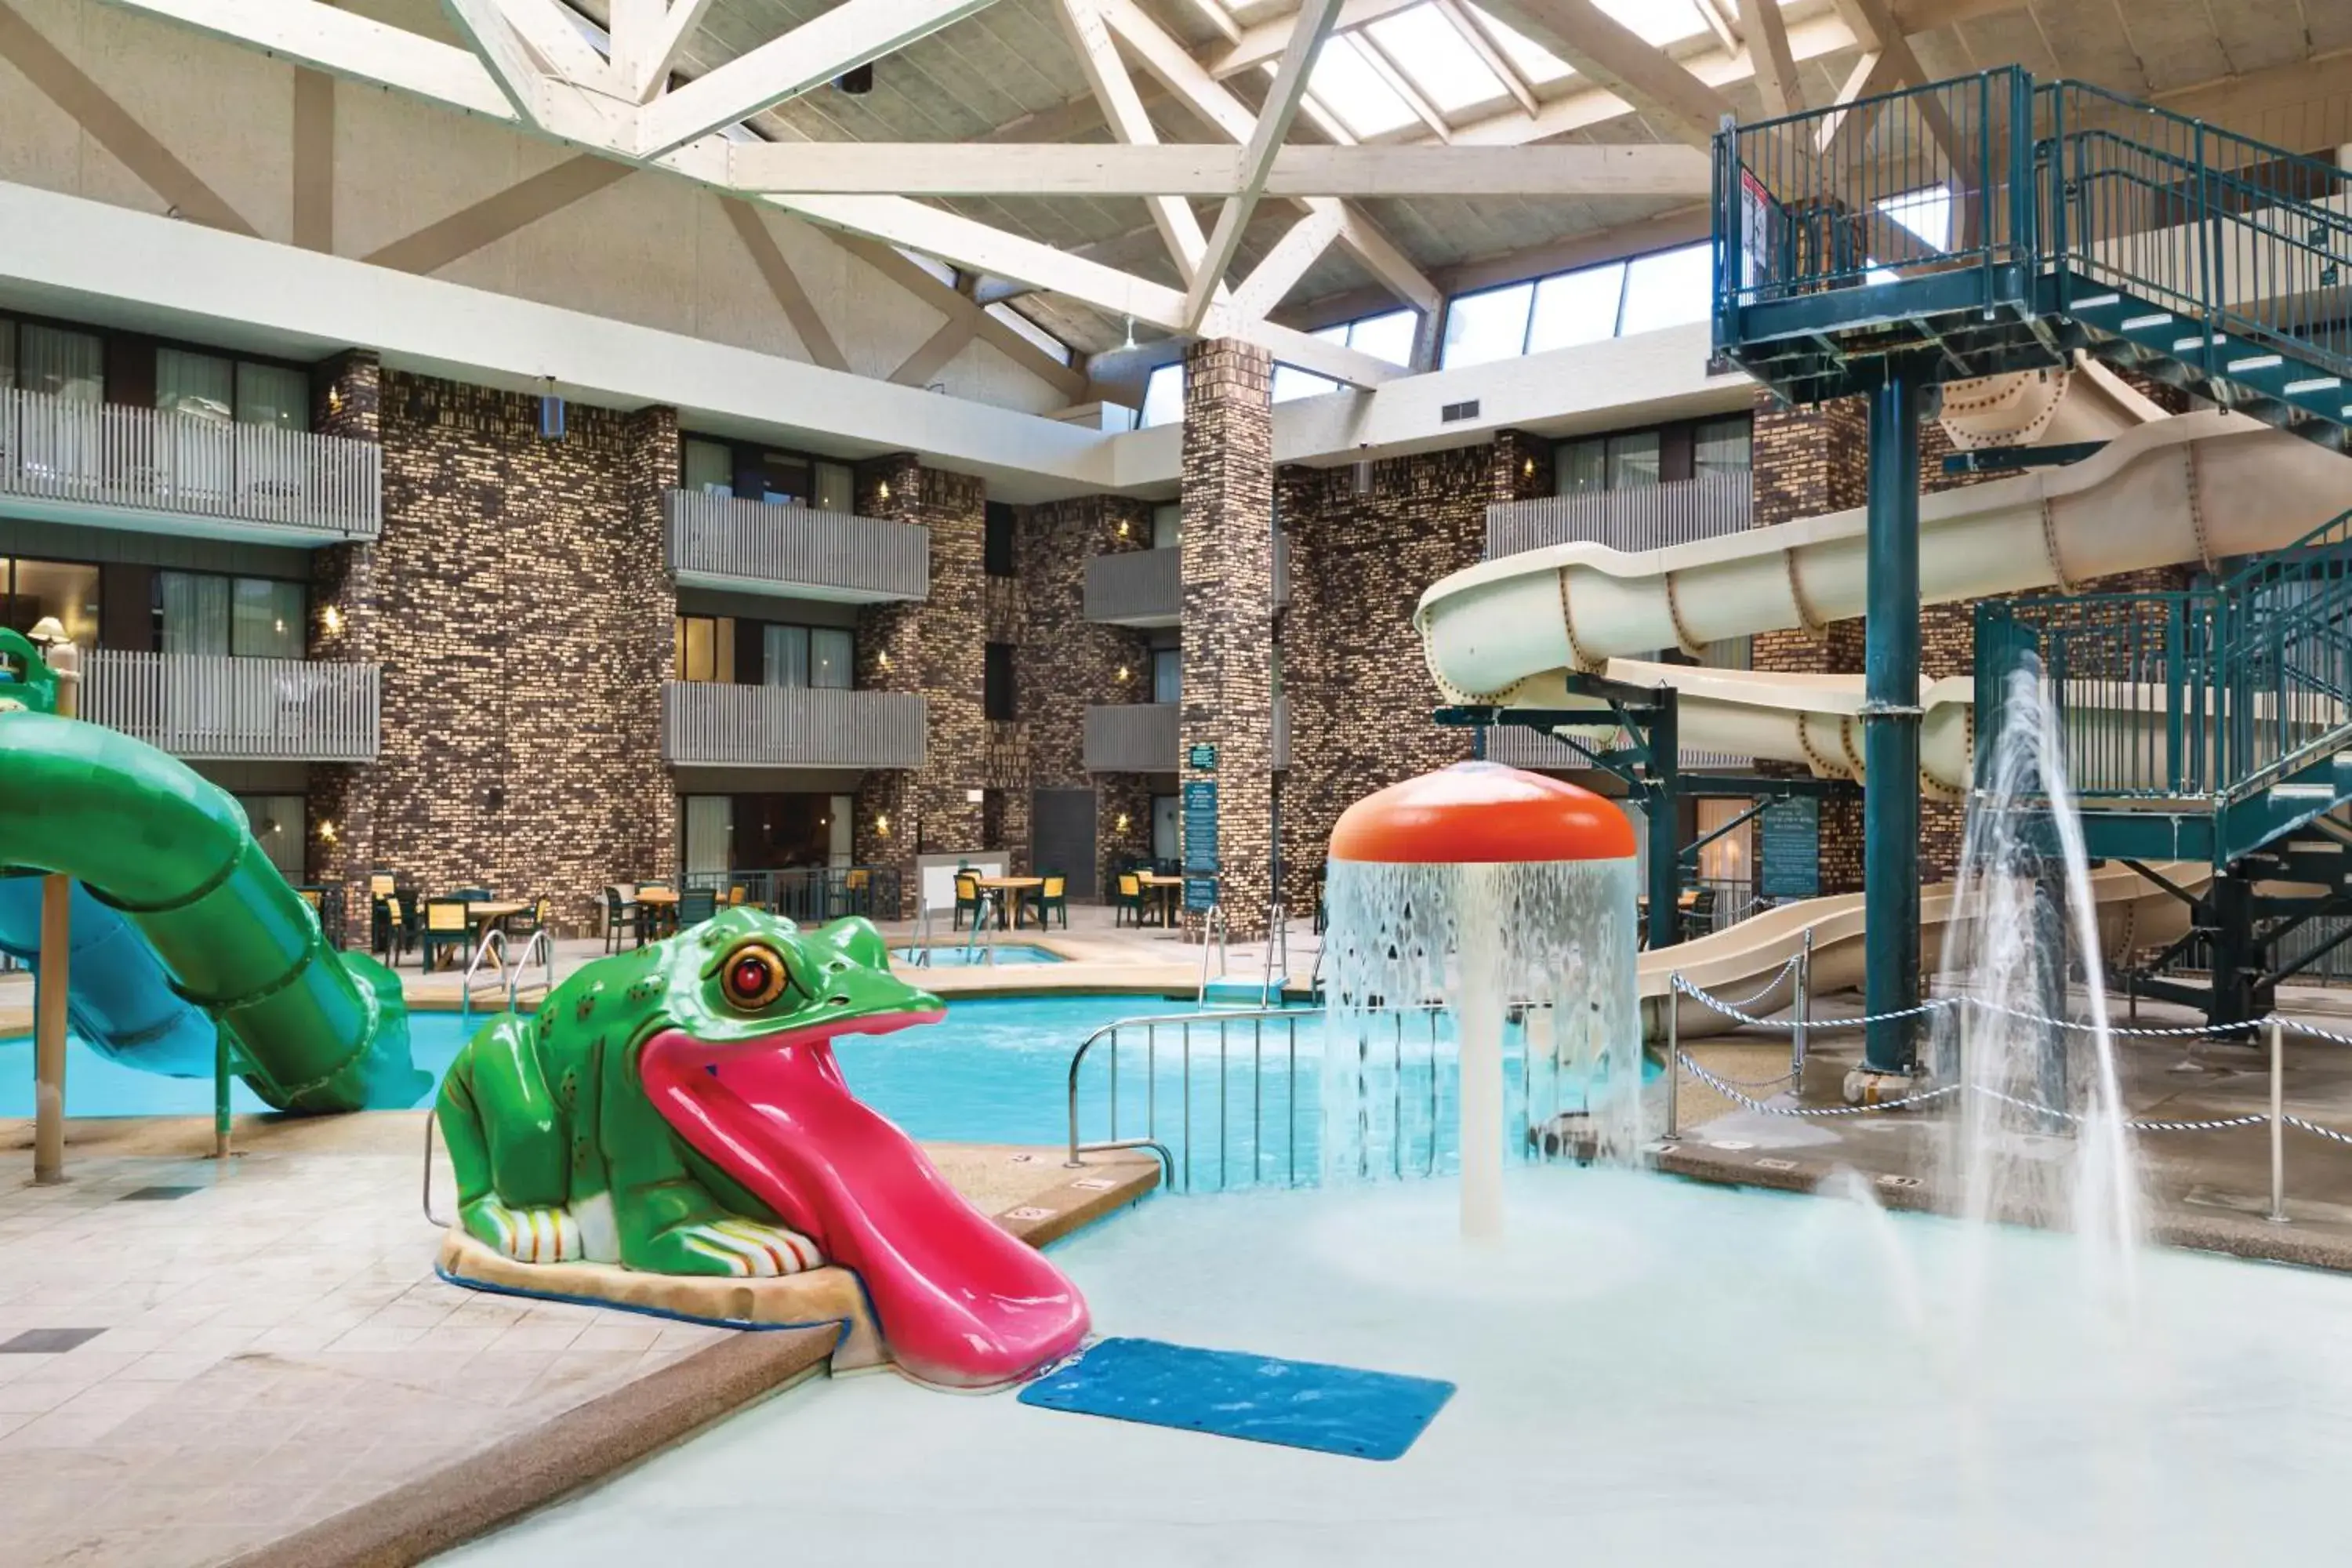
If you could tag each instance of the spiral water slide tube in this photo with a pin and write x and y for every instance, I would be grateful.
(171, 855)
(2190, 488)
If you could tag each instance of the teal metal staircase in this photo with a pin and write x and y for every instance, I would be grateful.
(2207, 724)
(1994, 223)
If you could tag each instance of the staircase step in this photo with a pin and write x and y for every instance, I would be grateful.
(2315, 384)
(2097, 301)
(2141, 324)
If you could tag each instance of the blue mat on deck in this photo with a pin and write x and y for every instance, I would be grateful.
(1261, 1399)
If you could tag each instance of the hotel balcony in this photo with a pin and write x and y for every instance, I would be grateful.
(1637, 517)
(213, 708)
(1145, 588)
(705, 723)
(796, 552)
(1143, 737)
(109, 466)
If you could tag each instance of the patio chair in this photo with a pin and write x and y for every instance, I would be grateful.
(695, 906)
(855, 894)
(970, 902)
(530, 921)
(1127, 903)
(445, 928)
(1052, 899)
(623, 915)
(472, 895)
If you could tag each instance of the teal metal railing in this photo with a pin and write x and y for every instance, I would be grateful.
(2206, 693)
(2053, 193)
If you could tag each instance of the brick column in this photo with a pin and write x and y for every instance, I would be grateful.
(346, 624)
(1228, 614)
(934, 647)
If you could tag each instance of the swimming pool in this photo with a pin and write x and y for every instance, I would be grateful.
(958, 957)
(1650, 1372)
(1237, 1101)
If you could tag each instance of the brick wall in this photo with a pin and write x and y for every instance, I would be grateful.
(520, 606)
(934, 648)
(1067, 664)
(1228, 566)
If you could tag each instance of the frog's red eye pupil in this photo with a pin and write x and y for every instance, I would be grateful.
(751, 977)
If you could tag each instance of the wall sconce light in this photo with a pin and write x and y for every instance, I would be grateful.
(882, 825)
(883, 490)
(1122, 822)
(550, 411)
(334, 400)
(1122, 527)
(332, 617)
(1527, 467)
(326, 830)
(1122, 674)
(975, 797)
(883, 658)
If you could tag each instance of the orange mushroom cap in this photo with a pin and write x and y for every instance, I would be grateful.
(1476, 813)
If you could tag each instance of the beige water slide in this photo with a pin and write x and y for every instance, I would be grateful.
(2166, 491)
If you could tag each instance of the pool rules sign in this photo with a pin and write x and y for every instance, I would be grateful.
(1200, 841)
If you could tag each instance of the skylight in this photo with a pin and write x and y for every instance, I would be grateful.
(1529, 59)
(1350, 87)
(1658, 22)
(1432, 53)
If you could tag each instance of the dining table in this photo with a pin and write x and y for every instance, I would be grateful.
(1167, 888)
(1011, 893)
(483, 915)
(662, 903)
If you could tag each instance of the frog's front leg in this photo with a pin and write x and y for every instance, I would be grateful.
(668, 1222)
(507, 1137)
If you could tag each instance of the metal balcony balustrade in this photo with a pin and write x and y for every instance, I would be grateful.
(1145, 588)
(1633, 516)
(750, 546)
(209, 708)
(708, 724)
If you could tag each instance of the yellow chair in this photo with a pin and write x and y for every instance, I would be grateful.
(1052, 897)
(445, 927)
(1129, 900)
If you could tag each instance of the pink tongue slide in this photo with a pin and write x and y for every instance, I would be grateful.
(961, 1303)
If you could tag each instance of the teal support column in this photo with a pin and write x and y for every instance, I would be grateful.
(1890, 728)
(1665, 848)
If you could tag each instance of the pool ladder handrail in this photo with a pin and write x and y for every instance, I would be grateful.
(493, 949)
(1183, 1022)
(542, 946)
(1213, 941)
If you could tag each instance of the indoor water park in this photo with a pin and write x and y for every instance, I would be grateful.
(1423, 779)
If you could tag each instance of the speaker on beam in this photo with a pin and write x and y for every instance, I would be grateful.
(857, 81)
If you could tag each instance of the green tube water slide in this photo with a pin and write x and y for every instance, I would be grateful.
(316, 1029)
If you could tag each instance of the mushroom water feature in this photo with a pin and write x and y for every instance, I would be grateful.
(1492, 909)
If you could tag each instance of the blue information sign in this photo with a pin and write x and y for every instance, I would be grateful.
(1200, 828)
(1790, 858)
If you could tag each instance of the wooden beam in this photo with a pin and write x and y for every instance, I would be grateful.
(494, 40)
(1265, 40)
(917, 368)
(546, 27)
(783, 284)
(344, 43)
(649, 68)
(1768, 48)
(1279, 272)
(633, 33)
(491, 219)
(1611, 54)
(957, 307)
(1123, 109)
(1484, 48)
(811, 55)
(314, 160)
(1265, 139)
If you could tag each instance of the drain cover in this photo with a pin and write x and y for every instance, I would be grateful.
(155, 1194)
(47, 1341)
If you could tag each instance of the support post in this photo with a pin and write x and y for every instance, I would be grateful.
(1666, 852)
(1890, 729)
(50, 1031)
(2278, 1124)
(1673, 1055)
(221, 1149)
(1803, 1025)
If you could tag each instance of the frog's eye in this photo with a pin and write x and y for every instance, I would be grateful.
(755, 975)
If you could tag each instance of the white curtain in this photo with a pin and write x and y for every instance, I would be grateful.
(829, 659)
(195, 612)
(787, 655)
(709, 827)
(60, 440)
(198, 391)
(840, 845)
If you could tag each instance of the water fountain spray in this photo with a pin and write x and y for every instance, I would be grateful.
(1489, 897)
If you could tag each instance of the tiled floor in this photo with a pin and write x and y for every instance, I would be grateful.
(273, 1346)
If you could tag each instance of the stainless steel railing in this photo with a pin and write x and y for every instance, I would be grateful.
(1183, 1030)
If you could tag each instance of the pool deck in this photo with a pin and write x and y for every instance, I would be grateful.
(2209, 1190)
(258, 1365)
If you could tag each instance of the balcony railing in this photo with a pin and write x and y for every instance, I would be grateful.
(1145, 737)
(1521, 747)
(790, 726)
(1637, 517)
(716, 542)
(1146, 587)
(213, 708)
(70, 461)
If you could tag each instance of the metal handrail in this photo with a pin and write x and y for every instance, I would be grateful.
(1180, 1168)
(493, 948)
(543, 946)
(1213, 938)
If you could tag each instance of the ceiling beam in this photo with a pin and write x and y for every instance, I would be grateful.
(811, 55)
(546, 27)
(1777, 80)
(1113, 91)
(648, 67)
(1484, 48)
(959, 307)
(1279, 271)
(1265, 139)
(1177, 170)
(494, 40)
(343, 44)
(1609, 52)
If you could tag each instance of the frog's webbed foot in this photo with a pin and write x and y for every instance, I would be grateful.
(742, 1249)
(526, 1234)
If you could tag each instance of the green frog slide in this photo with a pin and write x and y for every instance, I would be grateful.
(171, 854)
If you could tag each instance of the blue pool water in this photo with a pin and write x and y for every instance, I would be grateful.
(1238, 1101)
(958, 957)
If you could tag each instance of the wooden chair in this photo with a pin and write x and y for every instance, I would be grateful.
(445, 928)
(1052, 899)
(736, 894)
(623, 915)
(530, 921)
(969, 903)
(1127, 903)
